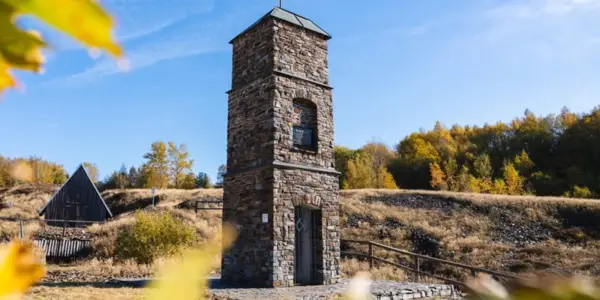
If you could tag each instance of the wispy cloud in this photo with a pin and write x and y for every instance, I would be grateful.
(528, 9)
(550, 30)
(142, 57)
(183, 34)
(134, 19)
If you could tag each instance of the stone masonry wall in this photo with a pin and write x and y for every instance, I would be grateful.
(246, 197)
(253, 54)
(250, 126)
(297, 187)
(300, 52)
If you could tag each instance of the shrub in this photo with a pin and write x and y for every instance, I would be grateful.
(579, 192)
(153, 235)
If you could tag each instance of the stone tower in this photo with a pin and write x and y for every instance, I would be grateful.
(281, 188)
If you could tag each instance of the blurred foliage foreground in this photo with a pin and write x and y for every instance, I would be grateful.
(84, 20)
(185, 278)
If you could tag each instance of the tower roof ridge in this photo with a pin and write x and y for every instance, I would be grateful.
(290, 17)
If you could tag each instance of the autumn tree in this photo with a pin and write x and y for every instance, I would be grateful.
(380, 153)
(189, 181)
(180, 164)
(155, 171)
(122, 177)
(383, 179)
(482, 167)
(342, 156)
(579, 192)
(438, 178)
(5, 178)
(21, 171)
(410, 167)
(360, 173)
(512, 179)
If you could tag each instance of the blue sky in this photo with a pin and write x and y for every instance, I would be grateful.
(396, 66)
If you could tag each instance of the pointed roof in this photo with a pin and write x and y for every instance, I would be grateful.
(290, 17)
(87, 175)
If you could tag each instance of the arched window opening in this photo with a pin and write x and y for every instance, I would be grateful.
(304, 134)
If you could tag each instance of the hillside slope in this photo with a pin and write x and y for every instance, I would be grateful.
(509, 233)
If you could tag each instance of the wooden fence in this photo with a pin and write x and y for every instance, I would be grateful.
(417, 259)
(64, 250)
(205, 205)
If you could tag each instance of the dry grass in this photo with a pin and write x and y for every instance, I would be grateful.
(483, 230)
(106, 268)
(527, 200)
(126, 201)
(88, 292)
(25, 201)
(350, 267)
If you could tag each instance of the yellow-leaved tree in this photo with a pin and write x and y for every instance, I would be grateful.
(84, 20)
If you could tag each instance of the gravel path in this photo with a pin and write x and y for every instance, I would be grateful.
(381, 290)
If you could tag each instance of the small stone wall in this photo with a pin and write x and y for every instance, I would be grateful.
(380, 290)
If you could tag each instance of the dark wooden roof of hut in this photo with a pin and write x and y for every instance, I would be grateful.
(83, 177)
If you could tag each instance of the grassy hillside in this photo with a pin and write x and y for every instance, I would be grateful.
(509, 233)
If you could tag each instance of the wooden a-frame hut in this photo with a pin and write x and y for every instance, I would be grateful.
(77, 200)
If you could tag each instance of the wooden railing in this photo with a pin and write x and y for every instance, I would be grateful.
(198, 203)
(417, 259)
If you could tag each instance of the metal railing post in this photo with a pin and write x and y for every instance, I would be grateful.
(417, 267)
(21, 233)
(370, 256)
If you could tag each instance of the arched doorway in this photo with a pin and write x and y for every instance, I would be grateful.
(309, 245)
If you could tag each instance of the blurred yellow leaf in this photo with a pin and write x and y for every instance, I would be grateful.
(18, 48)
(19, 269)
(186, 278)
(535, 287)
(85, 20)
(6, 79)
(22, 171)
(359, 287)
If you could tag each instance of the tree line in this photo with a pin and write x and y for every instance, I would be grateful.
(552, 155)
(22, 170)
(167, 165)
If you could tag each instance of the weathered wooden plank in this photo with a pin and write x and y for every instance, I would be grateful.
(64, 249)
